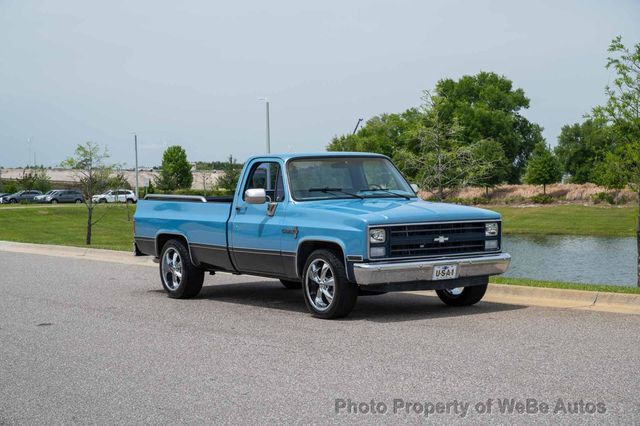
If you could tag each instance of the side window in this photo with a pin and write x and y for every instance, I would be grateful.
(266, 175)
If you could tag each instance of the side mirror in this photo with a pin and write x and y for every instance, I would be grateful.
(255, 196)
(415, 188)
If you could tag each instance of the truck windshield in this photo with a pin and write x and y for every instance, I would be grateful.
(346, 177)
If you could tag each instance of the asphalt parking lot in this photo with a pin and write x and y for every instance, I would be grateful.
(94, 342)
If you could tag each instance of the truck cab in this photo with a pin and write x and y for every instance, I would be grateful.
(334, 224)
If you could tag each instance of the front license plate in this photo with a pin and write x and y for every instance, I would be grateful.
(445, 272)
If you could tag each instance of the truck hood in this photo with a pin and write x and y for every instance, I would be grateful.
(379, 211)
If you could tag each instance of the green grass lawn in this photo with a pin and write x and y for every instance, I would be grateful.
(569, 220)
(67, 224)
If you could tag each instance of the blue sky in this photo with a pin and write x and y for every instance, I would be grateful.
(190, 72)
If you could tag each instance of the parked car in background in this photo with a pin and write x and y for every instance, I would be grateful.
(116, 196)
(20, 196)
(62, 196)
(40, 198)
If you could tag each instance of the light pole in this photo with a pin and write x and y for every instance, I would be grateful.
(135, 145)
(266, 101)
(355, 129)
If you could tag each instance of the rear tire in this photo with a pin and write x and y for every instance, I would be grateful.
(78, 201)
(465, 297)
(291, 285)
(180, 279)
(327, 292)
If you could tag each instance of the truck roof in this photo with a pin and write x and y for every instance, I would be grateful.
(289, 156)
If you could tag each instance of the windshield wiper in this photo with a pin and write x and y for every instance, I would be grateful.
(388, 191)
(329, 189)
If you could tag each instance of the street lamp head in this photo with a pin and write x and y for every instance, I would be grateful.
(263, 99)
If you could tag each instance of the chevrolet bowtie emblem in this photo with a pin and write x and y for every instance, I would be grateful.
(441, 239)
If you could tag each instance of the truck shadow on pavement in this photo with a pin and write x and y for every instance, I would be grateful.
(390, 307)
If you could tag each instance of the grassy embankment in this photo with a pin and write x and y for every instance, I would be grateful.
(569, 219)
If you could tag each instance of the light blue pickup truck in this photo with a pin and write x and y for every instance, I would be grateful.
(338, 225)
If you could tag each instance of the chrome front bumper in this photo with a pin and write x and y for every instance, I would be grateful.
(402, 272)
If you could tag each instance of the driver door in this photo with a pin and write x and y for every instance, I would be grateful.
(255, 235)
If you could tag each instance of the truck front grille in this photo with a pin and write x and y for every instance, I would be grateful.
(436, 239)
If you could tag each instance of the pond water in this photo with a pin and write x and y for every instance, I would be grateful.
(592, 260)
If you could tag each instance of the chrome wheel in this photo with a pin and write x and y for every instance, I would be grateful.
(320, 284)
(172, 269)
(455, 291)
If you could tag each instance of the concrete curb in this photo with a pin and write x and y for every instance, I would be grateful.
(101, 255)
(497, 293)
(562, 298)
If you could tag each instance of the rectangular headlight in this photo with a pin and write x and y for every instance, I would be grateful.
(377, 236)
(491, 229)
(378, 251)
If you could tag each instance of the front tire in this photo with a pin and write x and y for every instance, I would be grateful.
(180, 279)
(462, 296)
(54, 201)
(327, 292)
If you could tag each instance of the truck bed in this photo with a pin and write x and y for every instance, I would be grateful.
(202, 221)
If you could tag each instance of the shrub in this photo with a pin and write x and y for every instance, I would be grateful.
(541, 199)
(603, 197)
(480, 200)
(516, 199)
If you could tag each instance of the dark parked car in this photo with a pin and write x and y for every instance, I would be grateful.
(26, 195)
(64, 196)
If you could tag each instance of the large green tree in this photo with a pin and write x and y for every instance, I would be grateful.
(384, 134)
(489, 107)
(543, 167)
(485, 106)
(622, 112)
(434, 158)
(582, 148)
(176, 170)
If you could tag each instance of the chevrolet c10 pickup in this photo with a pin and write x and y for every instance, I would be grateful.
(337, 225)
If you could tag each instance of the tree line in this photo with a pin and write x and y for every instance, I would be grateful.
(472, 132)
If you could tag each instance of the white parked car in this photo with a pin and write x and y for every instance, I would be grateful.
(116, 196)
